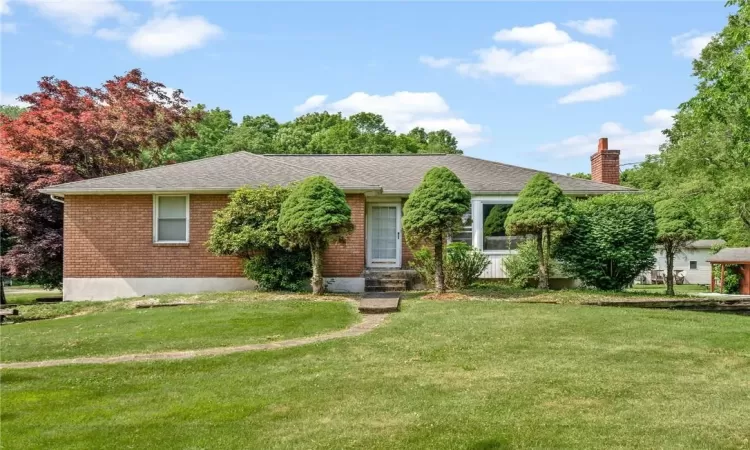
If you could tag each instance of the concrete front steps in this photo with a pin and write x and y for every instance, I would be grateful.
(387, 280)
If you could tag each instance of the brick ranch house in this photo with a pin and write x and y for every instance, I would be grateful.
(144, 232)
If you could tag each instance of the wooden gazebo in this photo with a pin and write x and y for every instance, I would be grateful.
(733, 256)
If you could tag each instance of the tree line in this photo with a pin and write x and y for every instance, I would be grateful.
(705, 163)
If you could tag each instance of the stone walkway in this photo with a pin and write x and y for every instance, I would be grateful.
(368, 323)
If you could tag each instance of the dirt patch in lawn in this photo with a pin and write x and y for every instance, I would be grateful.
(447, 297)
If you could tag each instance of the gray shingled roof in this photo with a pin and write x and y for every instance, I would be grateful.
(706, 243)
(402, 173)
(223, 173)
(393, 174)
(730, 255)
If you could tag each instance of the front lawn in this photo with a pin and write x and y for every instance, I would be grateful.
(439, 374)
(122, 331)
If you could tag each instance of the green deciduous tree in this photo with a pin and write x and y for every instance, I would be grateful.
(202, 139)
(541, 208)
(314, 133)
(707, 157)
(611, 242)
(675, 227)
(313, 216)
(433, 211)
(11, 111)
(255, 134)
(248, 228)
(581, 175)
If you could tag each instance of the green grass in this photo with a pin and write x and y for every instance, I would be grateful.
(25, 298)
(461, 374)
(172, 328)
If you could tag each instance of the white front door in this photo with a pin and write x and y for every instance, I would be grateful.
(384, 235)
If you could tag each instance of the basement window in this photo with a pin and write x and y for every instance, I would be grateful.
(171, 219)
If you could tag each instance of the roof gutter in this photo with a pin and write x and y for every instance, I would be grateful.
(57, 199)
(120, 191)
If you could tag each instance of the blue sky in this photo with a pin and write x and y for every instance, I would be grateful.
(532, 84)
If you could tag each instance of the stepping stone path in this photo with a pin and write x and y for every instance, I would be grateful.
(380, 302)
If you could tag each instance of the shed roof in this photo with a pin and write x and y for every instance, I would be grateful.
(731, 255)
(390, 174)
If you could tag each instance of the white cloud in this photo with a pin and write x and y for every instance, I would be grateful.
(11, 100)
(690, 44)
(663, 118)
(633, 145)
(8, 27)
(403, 111)
(554, 60)
(594, 27)
(165, 36)
(541, 34)
(612, 129)
(594, 93)
(556, 65)
(311, 104)
(4, 9)
(110, 34)
(438, 63)
(81, 16)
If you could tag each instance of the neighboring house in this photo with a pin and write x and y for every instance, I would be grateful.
(693, 262)
(144, 232)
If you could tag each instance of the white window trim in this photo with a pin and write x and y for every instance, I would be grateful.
(156, 219)
(478, 225)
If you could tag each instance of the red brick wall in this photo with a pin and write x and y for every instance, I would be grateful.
(112, 236)
(605, 166)
(348, 259)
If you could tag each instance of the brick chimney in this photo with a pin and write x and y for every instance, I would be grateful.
(605, 164)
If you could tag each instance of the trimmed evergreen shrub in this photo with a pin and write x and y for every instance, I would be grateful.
(433, 211)
(314, 215)
(541, 208)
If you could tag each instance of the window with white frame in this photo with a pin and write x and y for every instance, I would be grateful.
(492, 227)
(171, 218)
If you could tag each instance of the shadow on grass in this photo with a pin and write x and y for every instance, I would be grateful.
(490, 444)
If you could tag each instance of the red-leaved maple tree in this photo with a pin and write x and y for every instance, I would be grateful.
(70, 133)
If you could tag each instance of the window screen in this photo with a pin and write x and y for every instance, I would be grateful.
(171, 219)
(693, 265)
